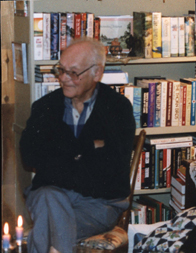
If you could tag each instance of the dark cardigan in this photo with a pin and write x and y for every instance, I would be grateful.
(49, 145)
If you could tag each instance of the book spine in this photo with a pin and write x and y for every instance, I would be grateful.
(151, 104)
(156, 38)
(157, 168)
(148, 34)
(137, 105)
(90, 25)
(152, 167)
(169, 103)
(97, 22)
(161, 172)
(174, 36)
(180, 106)
(70, 27)
(77, 25)
(175, 103)
(144, 114)
(46, 36)
(193, 104)
(166, 37)
(174, 145)
(138, 176)
(184, 105)
(168, 170)
(189, 36)
(157, 116)
(163, 103)
(38, 36)
(188, 105)
(147, 169)
(181, 37)
(55, 52)
(138, 30)
(63, 33)
(143, 170)
(83, 24)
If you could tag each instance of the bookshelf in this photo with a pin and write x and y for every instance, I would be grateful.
(174, 67)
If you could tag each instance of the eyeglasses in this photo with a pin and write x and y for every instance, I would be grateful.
(59, 70)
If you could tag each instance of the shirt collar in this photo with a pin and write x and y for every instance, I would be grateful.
(90, 101)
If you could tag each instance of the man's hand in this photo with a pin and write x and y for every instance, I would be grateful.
(99, 143)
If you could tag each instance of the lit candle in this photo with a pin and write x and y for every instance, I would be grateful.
(19, 231)
(6, 237)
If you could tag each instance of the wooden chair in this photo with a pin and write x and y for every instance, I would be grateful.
(123, 222)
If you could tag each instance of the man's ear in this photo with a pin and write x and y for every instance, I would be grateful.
(98, 73)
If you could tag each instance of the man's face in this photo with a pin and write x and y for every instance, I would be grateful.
(76, 58)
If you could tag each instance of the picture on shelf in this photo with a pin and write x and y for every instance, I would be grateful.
(19, 52)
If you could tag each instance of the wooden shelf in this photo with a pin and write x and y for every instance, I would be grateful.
(167, 130)
(137, 61)
(152, 191)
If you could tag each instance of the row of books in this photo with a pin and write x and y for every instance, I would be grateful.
(183, 190)
(159, 36)
(160, 159)
(161, 102)
(53, 32)
(147, 210)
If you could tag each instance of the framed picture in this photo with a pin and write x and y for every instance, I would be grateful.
(19, 52)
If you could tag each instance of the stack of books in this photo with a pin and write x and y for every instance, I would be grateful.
(183, 190)
(45, 80)
(158, 36)
(160, 159)
(54, 31)
(167, 102)
(147, 210)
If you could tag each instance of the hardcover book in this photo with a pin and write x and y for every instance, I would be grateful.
(38, 36)
(138, 33)
(189, 36)
(97, 23)
(174, 36)
(63, 33)
(156, 38)
(55, 51)
(90, 25)
(175, 103)
(133, 93)
(77, 25)
(192, 82)
(157, 113)
(169, 103)
(181, 36)
(70, 27)
(150, 84)
(147, 34)
(83, 24)
(166, 37)
(46, 36)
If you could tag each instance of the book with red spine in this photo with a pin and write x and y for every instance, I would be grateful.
(83, 24)
(77, 25)
(63, 35)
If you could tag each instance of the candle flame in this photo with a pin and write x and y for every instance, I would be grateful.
(20, 221)
(6, 229)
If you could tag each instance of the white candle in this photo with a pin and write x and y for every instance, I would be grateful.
(19, 231)
(6, 237)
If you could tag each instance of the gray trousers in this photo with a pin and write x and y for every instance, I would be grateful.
(62, 217)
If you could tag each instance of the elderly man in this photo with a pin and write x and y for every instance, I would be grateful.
(79, 139)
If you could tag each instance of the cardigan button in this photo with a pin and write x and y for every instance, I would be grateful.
(77, 157)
